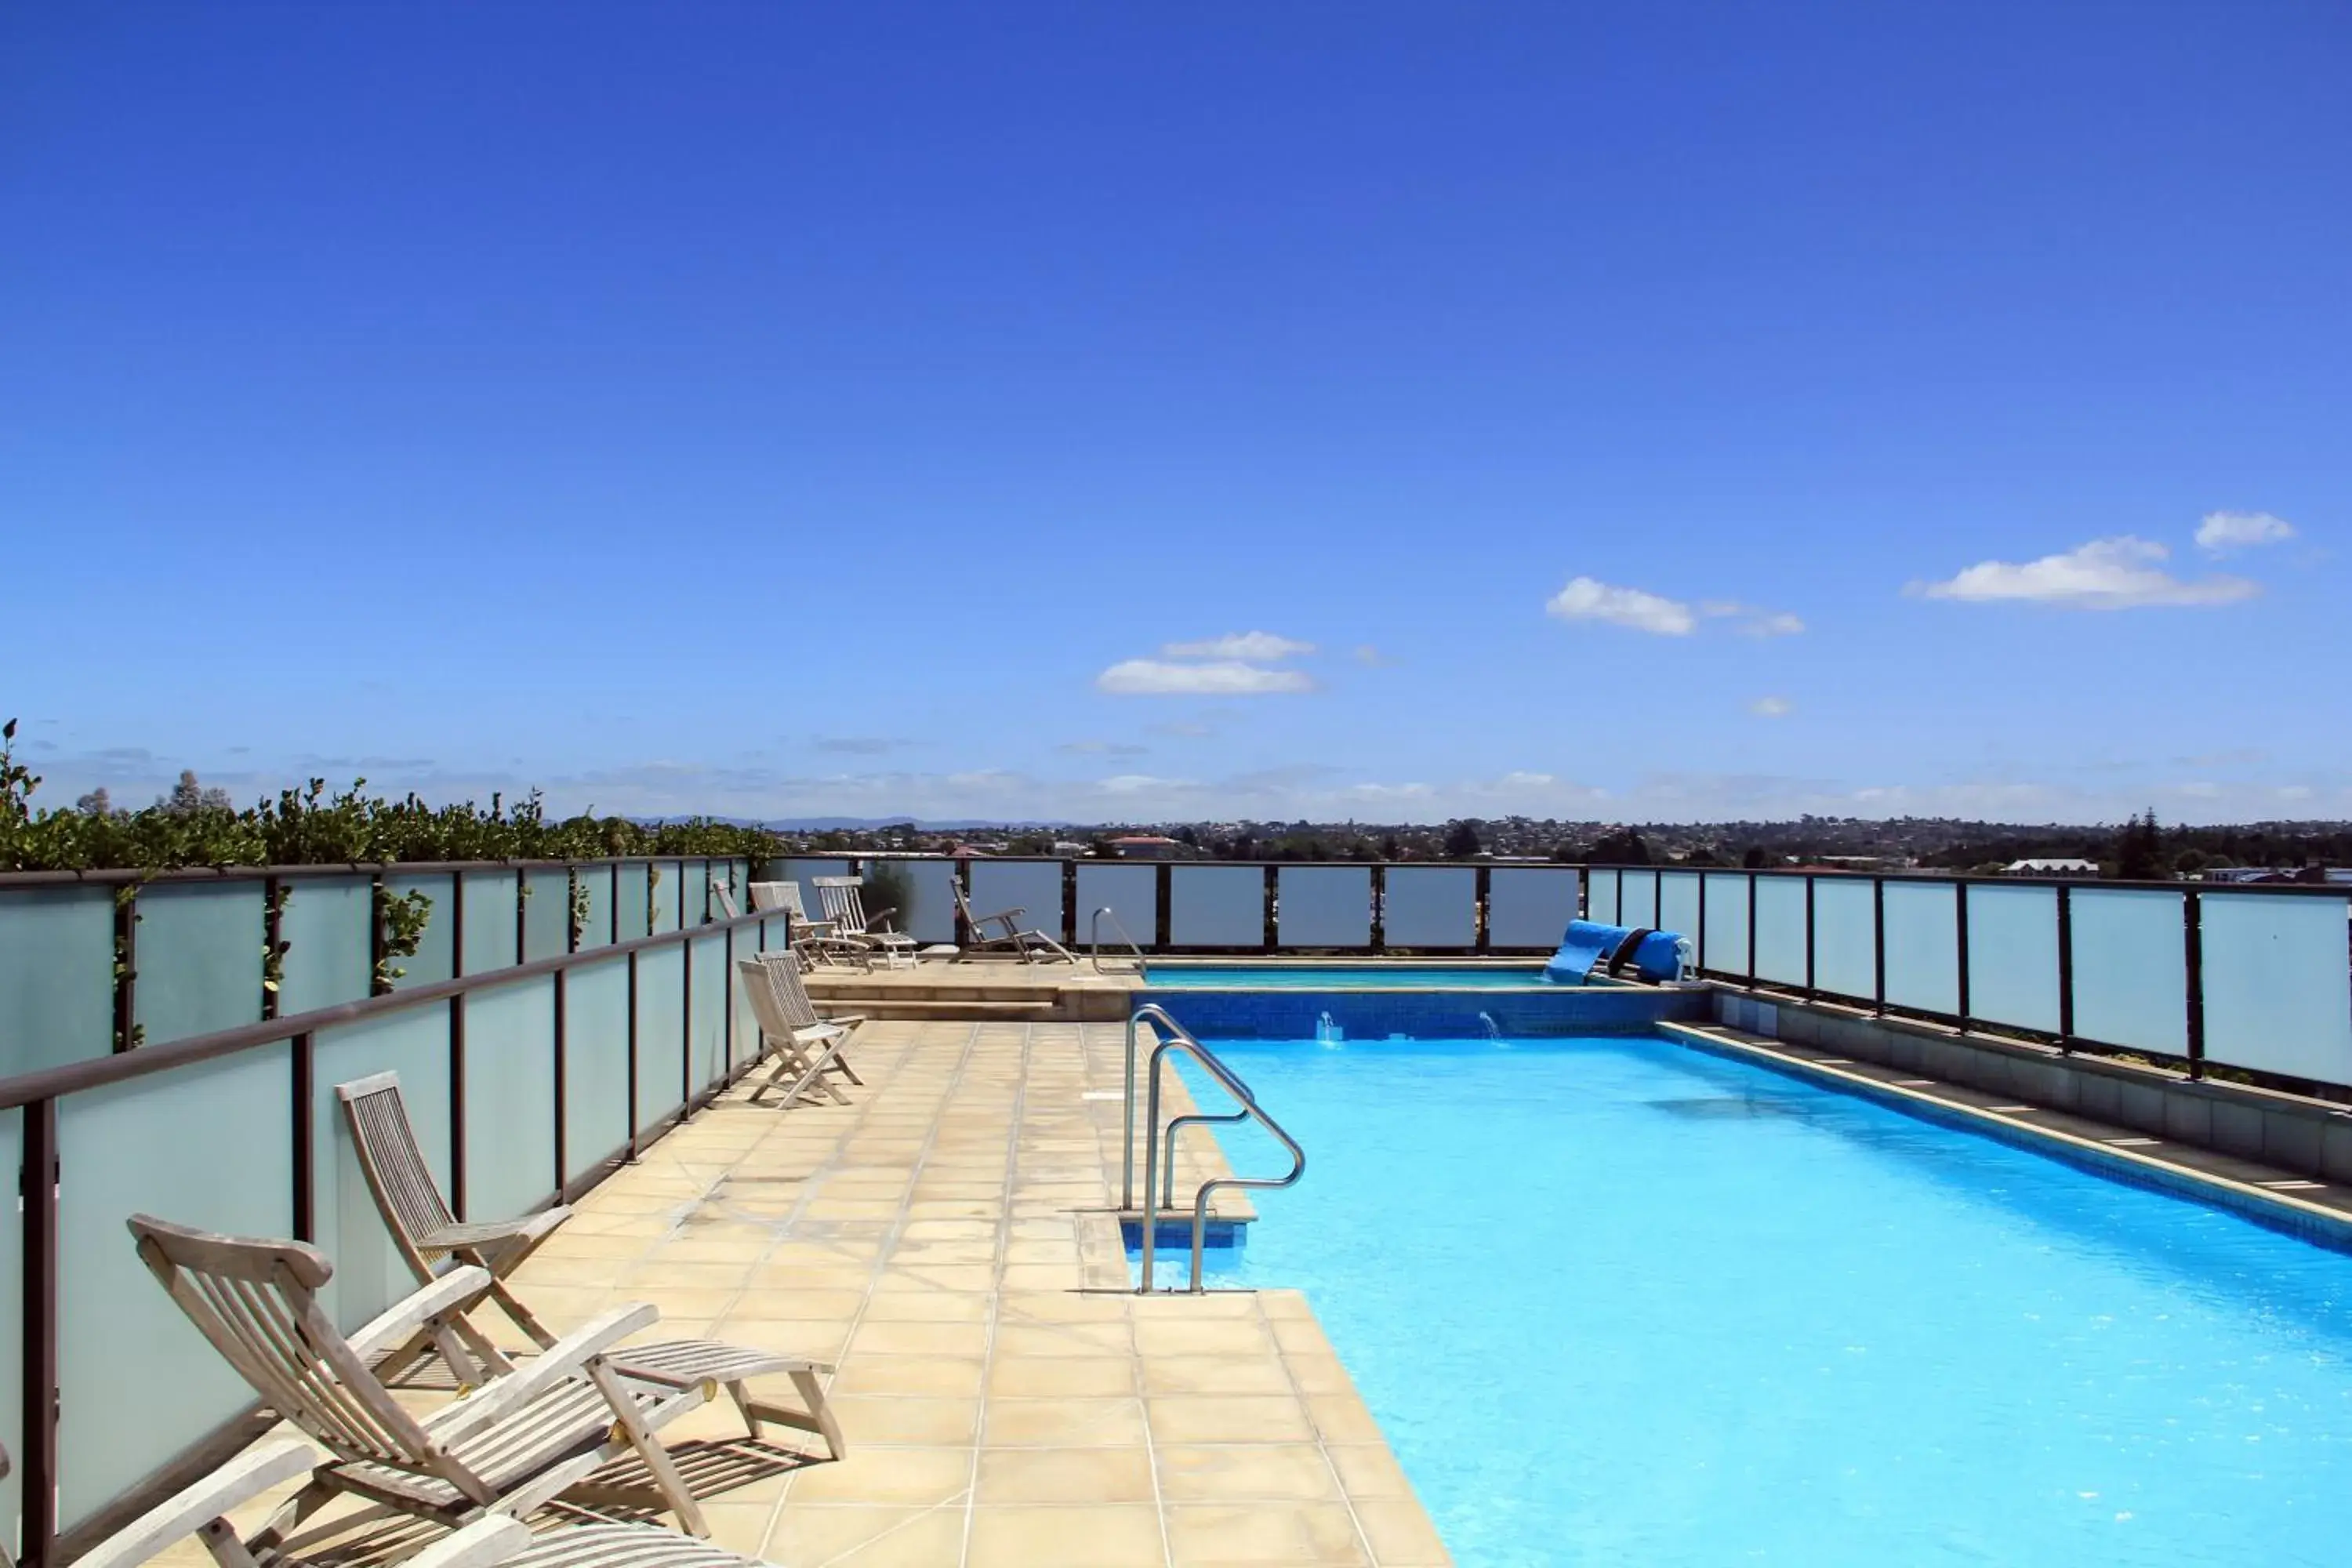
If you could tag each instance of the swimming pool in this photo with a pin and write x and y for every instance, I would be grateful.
(1165, 976)
(1619, 1301)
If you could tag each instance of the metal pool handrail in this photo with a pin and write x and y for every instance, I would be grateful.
(1177, 1038)
(1094, 940)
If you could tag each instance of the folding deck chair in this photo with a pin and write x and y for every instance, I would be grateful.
(521, 1440)
(806, 1048)
(1008, 933)
(202, 1510)
(843, 900)
(424, 1231)
(814, 938)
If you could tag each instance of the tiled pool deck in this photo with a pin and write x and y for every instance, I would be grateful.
(946, 1237)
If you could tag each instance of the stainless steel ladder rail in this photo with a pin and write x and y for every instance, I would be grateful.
(1094, 940)
(1176, 1037)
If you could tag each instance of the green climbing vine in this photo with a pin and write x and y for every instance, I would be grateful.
(404, 917)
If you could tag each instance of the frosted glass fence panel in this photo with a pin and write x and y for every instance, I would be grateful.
(2013, 956)
(1845, 943)
(1034, 888)
(1130, 892)
(490, 918)
(596, 1065)
(1430, 906)
(1601, 903)
(145, 1384)
(1678, 903)
(1725, 945)
(369, 1274)
(596, 907)
(1923, 946)
(661, 1033)
(630, 901)
(199, 959)
(932, 917)
(694, 892)
(1529, 907)
(56, 977)
(12, 1319)
(706, 1038)
(435, 952)
(1637, 903)
(1324, 906)
(1216, 906)
(2277, 996)
(546, 914)
(1780, 929)
(2130, 972)
(509, 1098)
(328, 925)
(803, 873)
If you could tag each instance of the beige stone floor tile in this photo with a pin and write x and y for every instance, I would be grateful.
(892, 1476)
(925, 1338)
(1320, 1373)
(839, 1537)
(1214, 1374)
(1063, 1476)
(1370, 1471)
(936, 1277)
(1342, 1418)
(1292, 1472)
(1066, 1306)
(816, 1339)
(1298, 1336)
(1263, 1531)
(1159, 1336)
(929, 1307)
(1055, 1377)
(739, 1527)
(1400, 1533)
(1229, 1418)
(1068, 1421)
(1107, 1536)
(1042, 1276)
(922, 1422)
(948, 1377)
(1020, 1338)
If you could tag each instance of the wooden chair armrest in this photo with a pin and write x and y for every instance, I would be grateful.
(563, 1358)
(185, 1513)
(453, 1292)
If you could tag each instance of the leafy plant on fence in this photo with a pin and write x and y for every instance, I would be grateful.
(311, 826)
(404, 917)
(581, 907)
(273, 950)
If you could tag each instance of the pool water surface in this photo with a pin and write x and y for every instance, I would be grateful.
(1616, 1301)
(1340, 977)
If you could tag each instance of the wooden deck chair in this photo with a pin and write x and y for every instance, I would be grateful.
(202, 1510)
(843, 900)
(1008, 933)
(801, 1012)
(518, 1441)
(804, 1053)
(423, 1231)
(814, 938)
(724, 897)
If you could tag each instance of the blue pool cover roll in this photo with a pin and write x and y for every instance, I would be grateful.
(1659, 956)
(1587, 943)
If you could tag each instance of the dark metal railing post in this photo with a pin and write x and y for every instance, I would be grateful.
(1618, 916)
(1269, 934)
(1483, 896)
(1657, 897)
(726, 1003)
(126, 967)
(39, 1508)
(686, 1029)
(630, 1078)
(1701, 943)
(1878, 945)
(379, 984)
(613, 909)
(1378, 933)
(1163, 898)
(2065, 967)
(1960, 941)
(1752, 880)
(1070, 880)
(1584, 892)
(2192, 952)
(457, 1048)
(301, 1063)
(1812, 989)
(563, 1070)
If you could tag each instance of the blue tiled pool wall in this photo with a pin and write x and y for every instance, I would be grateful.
(1426, 1015)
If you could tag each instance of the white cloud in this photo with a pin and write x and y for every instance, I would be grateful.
(1257, 646)
(1772, 707)
(1366, 654)
(1220, 677)
(1753, 622)
(2222, 532)
(1585, 599)
(2117, 574)
(1101, 749)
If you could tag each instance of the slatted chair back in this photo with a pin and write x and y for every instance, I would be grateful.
(724, 898)
(792, 996)
(256, 1302)
(844, 899)
(385, 1141)
(781, 897)
(759, 989)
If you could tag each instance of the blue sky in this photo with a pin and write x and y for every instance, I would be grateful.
(1116, 412)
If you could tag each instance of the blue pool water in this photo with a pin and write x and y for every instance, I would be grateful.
(1617, 1300)
(1337, 977)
